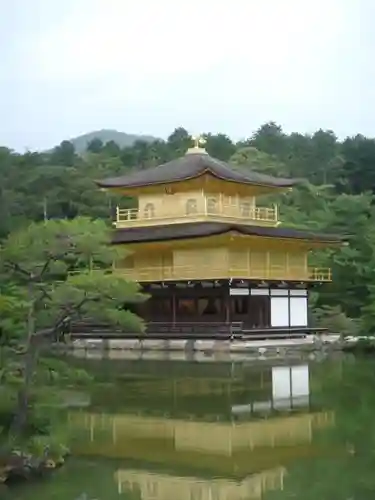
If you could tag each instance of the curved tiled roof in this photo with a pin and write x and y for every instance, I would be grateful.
(190, 166)
(202, 229)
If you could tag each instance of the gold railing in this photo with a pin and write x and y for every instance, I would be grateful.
(132, 217)
(176, 273)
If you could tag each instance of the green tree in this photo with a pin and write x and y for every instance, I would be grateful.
(64, 154)
(270, 139)
(252, 158)
(62, 271)
(220, 146)
(111, 148)
(359, 165)
(325, 150)
(95, 145)
(179, 141)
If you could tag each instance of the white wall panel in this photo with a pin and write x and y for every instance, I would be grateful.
(299, 292)
(279, 311)
(259, 291)
(298, 311)
(279, 291)
(239, 291)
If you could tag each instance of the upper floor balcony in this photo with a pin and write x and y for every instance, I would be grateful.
(211, 272)
(144, 274)
(174, 210)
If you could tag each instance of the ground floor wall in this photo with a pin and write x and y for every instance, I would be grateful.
(253, 306)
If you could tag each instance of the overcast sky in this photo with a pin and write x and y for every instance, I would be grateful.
(147, 66)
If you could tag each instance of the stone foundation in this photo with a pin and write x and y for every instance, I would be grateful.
(209, 347)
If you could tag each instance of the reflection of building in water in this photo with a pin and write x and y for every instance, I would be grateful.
(211, 391)
(152, 486)
(208, 437)
(282, 388)
(206, 423)
(290, 389)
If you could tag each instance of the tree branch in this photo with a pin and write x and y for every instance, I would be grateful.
(16, 267)
(45, 267)
(44, 295)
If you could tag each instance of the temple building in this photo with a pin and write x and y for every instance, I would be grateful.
(208, 255)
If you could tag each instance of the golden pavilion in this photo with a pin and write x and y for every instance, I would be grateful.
(207, 254)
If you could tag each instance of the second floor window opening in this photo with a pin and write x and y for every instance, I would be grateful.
(191, 206)
(245, 209)
(231, 201)
(212, 205)
(149, 211)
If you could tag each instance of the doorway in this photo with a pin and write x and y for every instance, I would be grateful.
(253, 310)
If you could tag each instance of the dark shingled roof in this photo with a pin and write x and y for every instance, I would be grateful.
(192, 165)
(201, 229)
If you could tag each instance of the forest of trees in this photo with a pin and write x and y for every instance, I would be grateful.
(337, 196)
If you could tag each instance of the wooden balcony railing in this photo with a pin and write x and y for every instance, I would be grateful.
(176, 273)
(132, 217)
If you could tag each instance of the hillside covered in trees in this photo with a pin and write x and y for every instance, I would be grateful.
(336, 197)
(123, 140)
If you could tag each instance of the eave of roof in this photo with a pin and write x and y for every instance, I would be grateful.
(191, 166)
(203, 229)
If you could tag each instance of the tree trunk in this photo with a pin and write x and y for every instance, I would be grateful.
(30, 359)
(20, 419)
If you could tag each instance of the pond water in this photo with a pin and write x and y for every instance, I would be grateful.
(169, 429)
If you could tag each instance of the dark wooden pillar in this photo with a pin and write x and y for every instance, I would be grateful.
(227, 303)
(248, 323)
(174, 307)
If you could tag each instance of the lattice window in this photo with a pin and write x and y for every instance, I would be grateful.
(191, 206)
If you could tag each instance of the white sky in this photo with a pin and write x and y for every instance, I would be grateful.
(147, 66)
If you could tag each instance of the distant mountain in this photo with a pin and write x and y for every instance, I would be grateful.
(106, 135)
